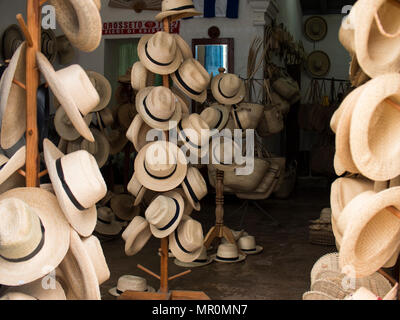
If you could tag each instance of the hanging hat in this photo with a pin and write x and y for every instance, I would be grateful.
(195, 187)
(195, 134)
(136, 235)
(106, 224)
(177, 9)
(228, 253)
(117, 140)
(188, 207)
(183, 47)
(73, 89)
(242, 119)
(66, 52)
(17, 296)
(164, 214)
(216, 116)
(78, 184)
(159, 53)
(9, 166)
(65, 127)
(160, 166)
(80, 22)
(192, 79)
(315, 28)
(202, 260)
(318, 63)
(183, 100)
(130, 283)
(126, 114)
(49, 44)
(85, 267)
(136, 189)
(74, 146)
(158, 107)
(228, 88)
(141, 77)
(223, 153)
(36, 290)
(103, 88)
(248, 245)
(100, 149)
(123, 207)
(34, 235)
(13, 100)
(12, 39)
(106, 118)
(186, 242)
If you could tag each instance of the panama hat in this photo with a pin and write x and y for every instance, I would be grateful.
(216, 116)
(123, 207)
(177, 9)
(186, 242)
(183, 47)
(188, 207)
(318, 63)
(183, 100)
(65, 127)
(49, 44)
(160, 166)
(315, 28)
(117, 140)
(136, 189)
(223, 153)
(201, 261)
(106, 117)
(228, 253)
(374, 155)
(12, 39)
(159, 53)
(158, 107)
(125, 114)
(84, 267)
(66, 52)
(136, 235)
(164, 214)
(17, 296)
(242, 119)
(13, 100)
(228, 88)
(10, 166)
(37, 290)
(192, 79)
(195, 134)
(140, 76)
(195, 187)
(74, 90)
(100, 149)
(106, 224)
(248, 245)
(103, 88)
(130, 283)
(78, 184)
(80, 21)
(34, 235)
(370, 231)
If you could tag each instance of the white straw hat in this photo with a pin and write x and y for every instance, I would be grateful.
(195, 134)
(65, 128)
(103, 88)
(130, 283)
(9, 166)
(17, 296)
(136, 235)
(37, 290)
(177, 9)
(228, 253)
(140, 76)
(248, 245)
(216, 116)
(123, 207)
(195, 187)
(183, 47)
(136, 189)
(188, 207)
(202, 260)
(228, 88)
(78, 184)
(106, 224)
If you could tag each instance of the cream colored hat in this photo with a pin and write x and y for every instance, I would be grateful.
(9, 166)
(136, 189)
(188, 207)
(184, 47)
(136, 235)
(160, 166)
(248, 245)
(192, 79)
(78, 184)
(202, 260)
(195, 187)
(80, 21)
(216, 116)
(130, 283)
(159, 53)
(228, 253)
(123, 207)
(140, 76)
(228, 88)
(65, 128)
(66, 52)
(17, 296)
(242, 119)
(100, 149)
(38, 290)
(74, 91)
(177, 9)
(84, 267)
(223, 153)
(195, 134)
(164, 214)
(103, 88)
(13, 100)
(106, 224)
(34, 233)
(158, 107)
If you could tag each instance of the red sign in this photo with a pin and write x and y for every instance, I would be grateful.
(137, 27)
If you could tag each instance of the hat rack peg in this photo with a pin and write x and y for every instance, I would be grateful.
(148, 271)
(19, 84)
(43, 173)
(22, 172)
(25, 30)
(179, 275)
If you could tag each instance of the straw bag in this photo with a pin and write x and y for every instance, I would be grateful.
(306, 110)
(281, 104)
(286, 86)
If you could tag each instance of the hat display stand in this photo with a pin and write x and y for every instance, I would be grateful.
(164, 293)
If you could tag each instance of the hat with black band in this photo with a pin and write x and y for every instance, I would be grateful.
(177, 9)
(195, 187)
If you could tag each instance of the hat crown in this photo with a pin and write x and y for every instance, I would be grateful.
(211, 116)
(132, 283)
(227, 250)
(161, 102)
(203, 254)
(160, 160)
(247, 243)
(196, 129)
(162, 47)
(190, 235)
(134, 186)
(194, 75)
(230, 84)
(105, 214)
(172, 4)
(94, 250)
(224, 150)
(161, 211)
(197, 182)
(20, 229)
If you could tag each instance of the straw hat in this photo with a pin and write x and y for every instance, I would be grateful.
(183, 100)
(49, 44)
(13, 100)
(160, 166)
(192, 79)
(186, 242)
(66, 52)
(227, 88)
(375, 155)
(17, 296)
(330, 288)
(159, 53)
(10, 166)
(195, 134)
(195, 187)
(136, 235)
(100, 149)
(328, 262)
(80, 21)
(106, 117)
(12, 39)
(34, 235)
(103, 88)
(164, 214)
(203, 260)
(136, 189)
(85, 267)
(65, 127)
(73, 89)
(139, 76)
(106, 224)
(242, 119)
(177, 9)
(223, 153)
(318, 63)
(315, 28)
(228, 253)
(36, 290)
(117, 140)
(158, 107)
(183, 47)
(248, 245)
(130, 283)
(255, 112)
(126, 113)
(216, 116)
(78, 184)
(123, 207)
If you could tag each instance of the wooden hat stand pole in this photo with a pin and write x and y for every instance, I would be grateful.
(164, 293)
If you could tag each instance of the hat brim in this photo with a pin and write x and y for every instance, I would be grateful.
(12, 33)
(218, 95)
(36, 290)
(120, 211)
(104, 90)
(65, 131)
(16, 162)
(176, 15)
(322, 32)
(193, 264)
(56, 238)
(316, 295)
(199, 98)
(114, 292)
(225, 111)
(257, 250)
(104, 229)
(103, 147)
(241, 258)
(84, 221)
(136, 235)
